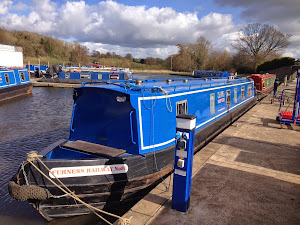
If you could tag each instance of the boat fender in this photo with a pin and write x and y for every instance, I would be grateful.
(25, 192)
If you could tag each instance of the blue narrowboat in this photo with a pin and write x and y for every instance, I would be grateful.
(78, 77)
(122, 138)
(87, 76)
(14, 82)
(35, 68)
(210, 73)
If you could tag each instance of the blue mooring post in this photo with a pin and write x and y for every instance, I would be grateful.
(183, 163)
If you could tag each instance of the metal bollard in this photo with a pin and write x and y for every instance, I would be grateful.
(183, 163)
(285, 80)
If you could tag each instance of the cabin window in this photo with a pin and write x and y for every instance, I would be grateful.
(22, 75)
(212, 103)
(99, 76)
(249, 90)
(181, 107)
(67, 75)
(228, 99)
(243, 92)
(113, 76)
(235, 95)
(85, 76)
(6, 78)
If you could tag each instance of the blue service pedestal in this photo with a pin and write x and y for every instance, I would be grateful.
(183, 163)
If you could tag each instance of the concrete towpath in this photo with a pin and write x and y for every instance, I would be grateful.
(249, 174)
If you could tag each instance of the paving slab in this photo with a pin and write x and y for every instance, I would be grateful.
(249, 174)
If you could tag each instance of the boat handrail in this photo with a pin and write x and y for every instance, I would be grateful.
(128, 84)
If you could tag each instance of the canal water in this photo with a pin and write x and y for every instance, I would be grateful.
(32, 123)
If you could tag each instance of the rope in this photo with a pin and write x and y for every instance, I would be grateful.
(24, 174)
(152, 103)
(31, 156)
(154, 151)
(59, 196)
(167, 98)
(152, 123)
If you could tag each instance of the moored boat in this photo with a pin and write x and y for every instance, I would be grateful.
(263, 82)
(210, 73)
(91, 76)
(14, 82)
(66, 75)
(122, 139)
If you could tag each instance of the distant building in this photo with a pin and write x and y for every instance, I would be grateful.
(11, 56)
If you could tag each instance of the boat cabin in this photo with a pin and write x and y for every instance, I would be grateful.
(141, 117)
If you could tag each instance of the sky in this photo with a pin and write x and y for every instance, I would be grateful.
(150, 28)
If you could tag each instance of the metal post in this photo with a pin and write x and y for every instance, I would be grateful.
(29, 74)
(39, 67)
(171, 62)
(183, 163)
(285, 80)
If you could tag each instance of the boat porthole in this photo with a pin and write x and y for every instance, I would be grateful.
(22, 74)
(6, 78)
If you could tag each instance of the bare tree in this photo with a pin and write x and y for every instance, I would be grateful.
(79, 53)
(199, 52)
(182, 60)
(129, 56)
(261, 41)
(219, 60)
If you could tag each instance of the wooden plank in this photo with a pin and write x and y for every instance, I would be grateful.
(97, 149)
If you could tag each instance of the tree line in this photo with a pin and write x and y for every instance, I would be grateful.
(47, 48)
(256, 43)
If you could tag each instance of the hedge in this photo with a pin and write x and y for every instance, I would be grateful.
(275, 63)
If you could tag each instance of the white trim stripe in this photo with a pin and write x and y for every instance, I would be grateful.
(181, 94)
(200, 125)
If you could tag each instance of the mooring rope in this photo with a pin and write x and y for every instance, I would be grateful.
(24, 174)
(32, 156)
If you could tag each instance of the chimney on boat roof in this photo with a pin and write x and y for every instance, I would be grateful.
(169, 81)
(185, 80)
(138, 82)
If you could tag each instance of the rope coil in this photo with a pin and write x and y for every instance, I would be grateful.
(32, 156)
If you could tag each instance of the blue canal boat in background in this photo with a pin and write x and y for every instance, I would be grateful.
(210, 73)
(55, 74)
(122, 138)
(91, 76)
(34, 69)
(14, 82)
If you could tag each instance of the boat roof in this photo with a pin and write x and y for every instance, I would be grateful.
(7, 69)
(168, 85)
(265, 75)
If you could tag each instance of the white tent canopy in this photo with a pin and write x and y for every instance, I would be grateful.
(11, 56)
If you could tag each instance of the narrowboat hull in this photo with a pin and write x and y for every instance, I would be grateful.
(15, 91)
(108, 190)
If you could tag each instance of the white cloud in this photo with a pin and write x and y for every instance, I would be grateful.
(283, 14)
(161, 52)
(136, 29)
(4, 6)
